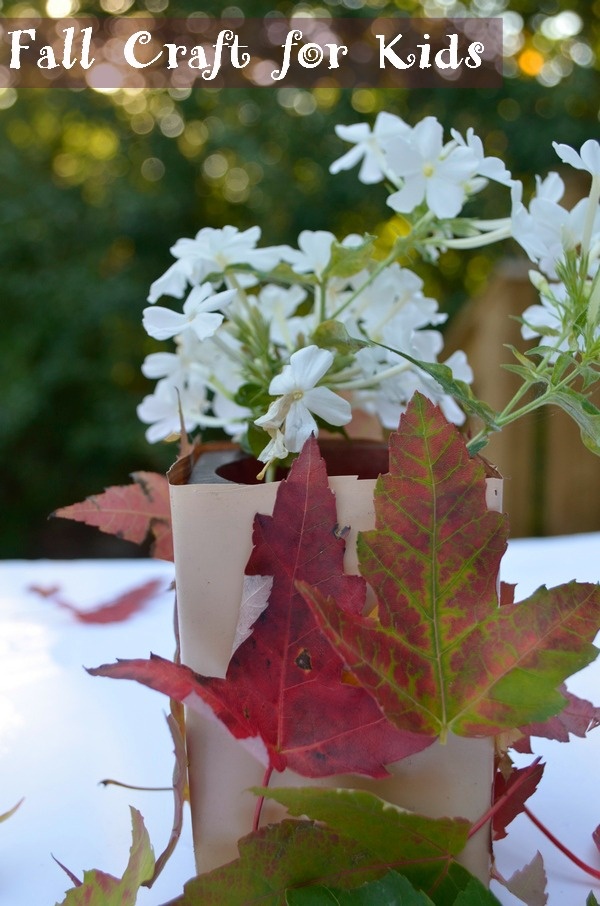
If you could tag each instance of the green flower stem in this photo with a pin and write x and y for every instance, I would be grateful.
(474, 242)
(592, 210)
(230, 352)
(214, 384)
(341, 377)
(593, 310)
(211, 421)
(269, 474)
(365, 383)
(389, 259)
(491, 224)
(509, 414)
(402, 244)
(322, 300)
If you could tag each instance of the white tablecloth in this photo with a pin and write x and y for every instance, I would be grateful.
(62, 731)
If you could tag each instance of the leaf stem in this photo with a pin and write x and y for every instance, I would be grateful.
(564, 850)
(132, 786)
(261, 799)
(398, 248)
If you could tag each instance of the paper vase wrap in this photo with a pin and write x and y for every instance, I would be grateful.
(212, 535)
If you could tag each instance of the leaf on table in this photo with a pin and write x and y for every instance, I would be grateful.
(443, 656)
(529, 884)
(101, 889)
(377, 838)
(131, 512)
(591, 899)
(391, 890)
(513, 791)
(116, 610)
(578, 718)
(6, 815)
(285, 685)
(74, 879)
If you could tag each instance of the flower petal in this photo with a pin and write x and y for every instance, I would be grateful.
(328, 405)
(308, 365)
(163, 323)
(206, 324)
(299, 425)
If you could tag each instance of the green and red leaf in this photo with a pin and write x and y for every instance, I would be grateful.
(357, 839)
(577, 718)
(101, 889)
(443, 656)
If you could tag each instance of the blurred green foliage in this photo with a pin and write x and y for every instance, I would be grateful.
(97, 187)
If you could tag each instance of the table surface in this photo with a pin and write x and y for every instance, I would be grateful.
(63, 731)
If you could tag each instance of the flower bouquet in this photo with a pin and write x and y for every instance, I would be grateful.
(354, 646)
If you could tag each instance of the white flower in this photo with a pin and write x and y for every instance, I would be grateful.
(218, 249)
(175, 280)
(275, 449)
(313, 254)
(395, 298)
(177, 367)
(547, 232)
(543, 320)
(429, 170)
(298, 397)
(314, 251)
(162, 365)
(160, 410)
(199, 314)
(551, 320)
(587, 159)
(211, 251)
(367, 146)
(278, 306)
(234, 417)
(390, 399)
(489, 167)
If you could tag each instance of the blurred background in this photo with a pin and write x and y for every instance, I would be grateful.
(97, 186)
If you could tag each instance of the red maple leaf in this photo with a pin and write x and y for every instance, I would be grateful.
(285, 684)
(511, 793)
(116, 610)
(131, 512)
